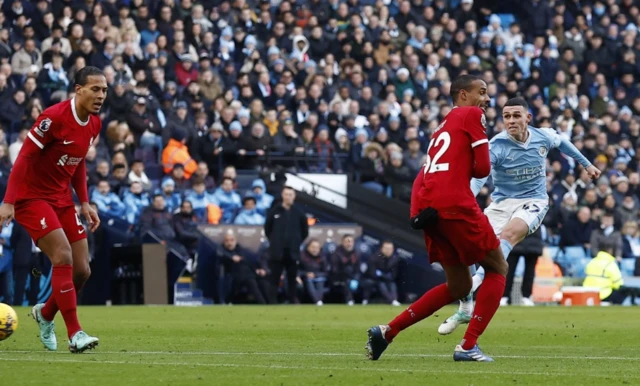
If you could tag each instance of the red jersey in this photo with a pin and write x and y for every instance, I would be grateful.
(52, 157)
(457, 152)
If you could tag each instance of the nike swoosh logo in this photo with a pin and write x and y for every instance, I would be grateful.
(67, 142)
(65, 291)
(81, 231)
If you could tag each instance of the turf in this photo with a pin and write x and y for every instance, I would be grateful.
(307, 345)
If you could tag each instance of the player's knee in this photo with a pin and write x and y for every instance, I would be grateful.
(62, 256)
(460, 289)
(500, 266)
(81, 275)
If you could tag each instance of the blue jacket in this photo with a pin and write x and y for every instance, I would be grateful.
(229, 203)
(109, 203)
(173, 202)
(135, 204)
(263, 200)
(249, 217)
(6, 260)
(199, 202)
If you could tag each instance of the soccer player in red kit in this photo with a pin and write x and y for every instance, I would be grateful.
(39, 198)
(461, 235)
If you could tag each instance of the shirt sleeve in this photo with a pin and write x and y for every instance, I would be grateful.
(474, 124)
(42, 132)
(79, 182)
(565, 146)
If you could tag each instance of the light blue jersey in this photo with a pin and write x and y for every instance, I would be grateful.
(518, 169)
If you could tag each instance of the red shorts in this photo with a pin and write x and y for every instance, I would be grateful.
(460, 241)
(39, 218)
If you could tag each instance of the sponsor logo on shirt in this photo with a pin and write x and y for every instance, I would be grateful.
(69, 161)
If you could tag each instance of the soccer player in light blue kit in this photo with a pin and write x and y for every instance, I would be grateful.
(520, 200)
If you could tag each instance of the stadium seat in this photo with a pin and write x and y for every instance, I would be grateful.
(627, 266)
(154, 172)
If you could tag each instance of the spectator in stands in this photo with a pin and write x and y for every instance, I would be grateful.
(288, 142)
(144, 125)
(201, 201)
(241, 267)
(14, 148)
(172, 199)
(371, 168)
(606, 235)
(108, 202)
(413, 155)
(186, 224)
(100, 173)
(603, 273)
(530, 249)
(382, 273)
(286, 228)
(209, 148)
(203, 174)
(314, 271)
(345, 268)
(176, 153)
(27, 59)
(135, 201)
(13, 110)
(177, 175)
(578, 229)
(157, 220)
(399, 177)
(263, 199)
(228, 200)
(254, 146)
(118, 180)
(630, 240)
(249, 214)
(137, 174)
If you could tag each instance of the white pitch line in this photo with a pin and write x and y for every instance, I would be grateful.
(307, 368)
(319, 354)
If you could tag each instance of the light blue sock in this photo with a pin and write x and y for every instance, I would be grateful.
(506, 248)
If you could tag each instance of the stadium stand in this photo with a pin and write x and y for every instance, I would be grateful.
(253, 91)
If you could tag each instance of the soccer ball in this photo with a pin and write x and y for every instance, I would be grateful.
(8, 321)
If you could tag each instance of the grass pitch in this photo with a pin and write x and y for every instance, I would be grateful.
(308, 345)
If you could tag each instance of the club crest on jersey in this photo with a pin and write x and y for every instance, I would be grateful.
(542, 151)
(43, 127)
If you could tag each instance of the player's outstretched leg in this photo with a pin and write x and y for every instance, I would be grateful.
(463, 314)
(458, 284)
(488, 302)
(56, 246)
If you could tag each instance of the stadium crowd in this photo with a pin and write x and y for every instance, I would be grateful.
(198, 89)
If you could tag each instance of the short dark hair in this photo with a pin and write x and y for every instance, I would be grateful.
(348, 235)
(517, 101)
(462, 82)
(287, 187)
(83, 75)
(226, 178)
(118, 167)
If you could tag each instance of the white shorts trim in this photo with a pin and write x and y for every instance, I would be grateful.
(531, 211)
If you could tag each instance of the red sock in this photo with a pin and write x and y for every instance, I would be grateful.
(430, 302)
(487, 303)
(65, 296)
(50, 308)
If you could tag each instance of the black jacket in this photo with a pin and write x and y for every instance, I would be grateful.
(315, 264)
(345, 265)
(383, 268)
(286, 229)
(186, 227)
(244, 269)
(21, 244)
